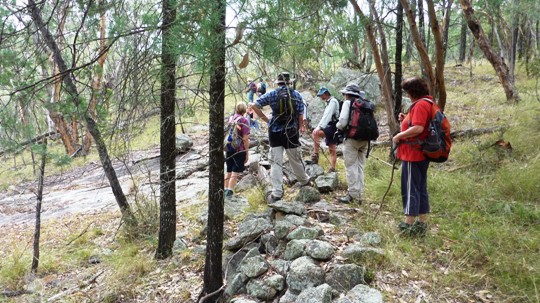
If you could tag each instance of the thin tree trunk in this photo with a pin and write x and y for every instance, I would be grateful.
(499, 66)
(513, 46)
(213, 273)
(96, 81)
(410, 40)
(399, 68)
(439, 55)
(463, 39)
(386, 90)
(446, 26)
(167, 164)
(471, 56)
(430, 77)
(90, 123)
(421, 24)
(37, 230)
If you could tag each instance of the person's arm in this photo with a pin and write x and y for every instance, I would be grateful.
(414, 131)
(344, 115)
(246, 146)
(259, 112)
(327, 115)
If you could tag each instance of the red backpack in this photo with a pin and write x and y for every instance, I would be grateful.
(436, 146)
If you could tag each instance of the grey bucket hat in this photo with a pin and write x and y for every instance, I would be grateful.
(351, 89)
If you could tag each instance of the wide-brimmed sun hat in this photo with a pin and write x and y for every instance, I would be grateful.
(351, 89)
(283, 78)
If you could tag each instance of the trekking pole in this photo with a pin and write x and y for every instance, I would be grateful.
(384, 162)
(389, 184)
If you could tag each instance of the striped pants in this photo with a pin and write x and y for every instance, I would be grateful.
(414, 188)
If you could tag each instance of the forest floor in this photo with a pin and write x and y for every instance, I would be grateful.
(482, 244)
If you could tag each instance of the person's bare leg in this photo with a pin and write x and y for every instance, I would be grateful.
(333, 155)
(409, 220)
(227, 180)
(422, 218)
(233, 180)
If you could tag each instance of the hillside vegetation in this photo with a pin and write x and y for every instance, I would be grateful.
(482, 246)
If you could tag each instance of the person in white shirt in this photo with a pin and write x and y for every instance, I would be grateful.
(326, 128)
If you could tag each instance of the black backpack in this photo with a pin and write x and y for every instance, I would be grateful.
(262, 88)
(362, 124)
(340, 102)
(286, 107)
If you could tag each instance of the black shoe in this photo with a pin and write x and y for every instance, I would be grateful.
(272, 199)
(419, 228)
(406, 229)
(346, 199)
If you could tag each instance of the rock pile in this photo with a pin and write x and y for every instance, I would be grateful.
(283, 255)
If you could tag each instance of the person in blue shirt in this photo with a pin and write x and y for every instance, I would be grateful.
(284, 129)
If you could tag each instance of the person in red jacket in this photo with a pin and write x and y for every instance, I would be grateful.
(414, 127)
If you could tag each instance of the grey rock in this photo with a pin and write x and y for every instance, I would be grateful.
(247, 182)
(308, 194)
(303, 232)
(371, 238)
(234, 207)
(295, 208)
(319, 250)
(260, 290)
(179, 244)
(295, 249)
(277, 282)
(289, 296)
(319, 294)
(269, 243)
(280, 266)
(282, 228)
(304, 273)
(183, 143)
(343, 277)
(359, 254)
(243, 300)
(327, 183)
(248, 231)
(254, 266)
(368, 83)
(236, 285)
(362, 294)
(337, 219)
(314, 170)
(295, 220)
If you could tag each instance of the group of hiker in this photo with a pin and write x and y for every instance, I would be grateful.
(349, 122)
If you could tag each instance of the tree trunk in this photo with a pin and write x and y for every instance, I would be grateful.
(483, 43)
(386, 90)
(410, 40)
(213, 275)
(463, 39)
(96, 81)
(446, 26)
(386, 82)
(91, 125)
(398, 58)
(439, 55)
(421, 25)
(167, 164)
(420, 47)
(513, 46)
(37, 230)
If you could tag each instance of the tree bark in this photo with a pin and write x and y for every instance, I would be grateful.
(37, 230)
(463, 39)
(420, 47)
(440, 90)
(71, 88)
(96, 81)
(499, 66)
(398, 78)
(386, 90)
(213, 275)
(167, 164)
(421, 25)
(446, 26)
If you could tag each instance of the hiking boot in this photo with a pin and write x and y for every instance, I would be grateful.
(419, 228)
(405, 228)
(270, 198)
(314, 159)
(348, 199)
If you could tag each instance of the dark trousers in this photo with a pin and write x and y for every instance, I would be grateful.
(414, 188)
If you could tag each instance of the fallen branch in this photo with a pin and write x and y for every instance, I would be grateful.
(474, 132)
(24, 144)
(76, 288)
(16, 293)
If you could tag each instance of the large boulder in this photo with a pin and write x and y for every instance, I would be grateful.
(343, 277)
(304, 273)
(248, 231)
(327, 183)
(319, 294)
(183, 143)
(362, 294)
